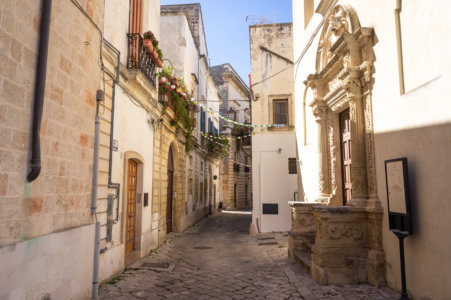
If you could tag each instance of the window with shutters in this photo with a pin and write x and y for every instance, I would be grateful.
(280, 111)
(292, 166)
(202, 121)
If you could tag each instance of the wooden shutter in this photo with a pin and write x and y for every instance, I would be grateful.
(292, 168)
(136, 16)
(280, 110)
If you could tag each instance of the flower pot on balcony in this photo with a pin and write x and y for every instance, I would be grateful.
(147, 44)
(175, 81)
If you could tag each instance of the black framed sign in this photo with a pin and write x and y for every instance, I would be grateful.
(398, 194)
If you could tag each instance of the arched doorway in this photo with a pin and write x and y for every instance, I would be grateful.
(170, 191)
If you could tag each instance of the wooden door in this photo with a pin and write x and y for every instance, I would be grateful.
(345, 139)
(131, 206)
(170, 192)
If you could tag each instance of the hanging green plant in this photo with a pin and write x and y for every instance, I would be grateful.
(218, 148)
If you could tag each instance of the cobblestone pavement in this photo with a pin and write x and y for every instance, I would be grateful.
(218, 259)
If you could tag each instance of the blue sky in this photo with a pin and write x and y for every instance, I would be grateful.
(228, 32)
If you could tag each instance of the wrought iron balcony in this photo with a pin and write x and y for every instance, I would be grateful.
(140, 59)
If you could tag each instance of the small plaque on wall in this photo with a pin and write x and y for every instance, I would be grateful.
(270, 209)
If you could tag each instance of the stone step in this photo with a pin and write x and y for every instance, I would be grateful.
(303, 259)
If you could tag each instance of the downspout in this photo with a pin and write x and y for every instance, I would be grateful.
(399, 46)
(39, 90)
(304, 112)
(95, 169)
(112, 184)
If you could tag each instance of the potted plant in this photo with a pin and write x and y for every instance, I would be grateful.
(150, 43)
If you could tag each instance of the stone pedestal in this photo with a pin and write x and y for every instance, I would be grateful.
(348, 246)
(302, 235)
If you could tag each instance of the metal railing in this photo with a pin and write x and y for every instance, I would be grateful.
(140, 59)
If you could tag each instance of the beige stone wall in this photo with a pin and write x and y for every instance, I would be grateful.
(168, 136)
(55, 207)
(60, 197)
(229, 178)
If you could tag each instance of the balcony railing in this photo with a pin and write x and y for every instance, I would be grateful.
(140, 59)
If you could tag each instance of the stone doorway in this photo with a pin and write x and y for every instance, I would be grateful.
(338, 238)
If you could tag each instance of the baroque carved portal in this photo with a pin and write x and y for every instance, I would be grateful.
(343, 82)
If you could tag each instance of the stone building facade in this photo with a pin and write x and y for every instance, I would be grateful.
(190, 62)
(273, 149)
(235, 169)
(40, 218)
(108, 151)
(348, 89)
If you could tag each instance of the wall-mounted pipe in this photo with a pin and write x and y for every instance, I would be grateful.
(95, 276)
(39, 90)
(95, 165)
(399, 46)
(111, 184)
(304, 112)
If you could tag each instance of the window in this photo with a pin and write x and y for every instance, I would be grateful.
(202, 121)
(280, 111)
(292, 166)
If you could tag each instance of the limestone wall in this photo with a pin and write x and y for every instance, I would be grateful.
(53, 211)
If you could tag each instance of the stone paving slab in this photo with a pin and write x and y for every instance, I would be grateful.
(218, 259)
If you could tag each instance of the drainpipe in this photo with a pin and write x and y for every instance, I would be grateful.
(95, 165)
(399, 46)
(39, 90)
(112, 184)
(95, 280)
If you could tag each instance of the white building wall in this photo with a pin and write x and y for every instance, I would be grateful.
(271, 182)
(415, 125)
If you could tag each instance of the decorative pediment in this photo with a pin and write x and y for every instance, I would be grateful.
(341, 20)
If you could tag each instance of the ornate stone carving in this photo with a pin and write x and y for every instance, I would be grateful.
(369, 139)
(352, 86)
(341, 21)
(332, 156)
(339, 231)
(318, 112)
(338, 21)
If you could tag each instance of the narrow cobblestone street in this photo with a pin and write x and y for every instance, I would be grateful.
(218, 259)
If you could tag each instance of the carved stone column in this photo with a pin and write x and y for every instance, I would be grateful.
(319, 111)
(358, 153)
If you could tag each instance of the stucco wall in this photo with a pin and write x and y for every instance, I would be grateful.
(415, 125)
(57, 264)
(270, 179)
